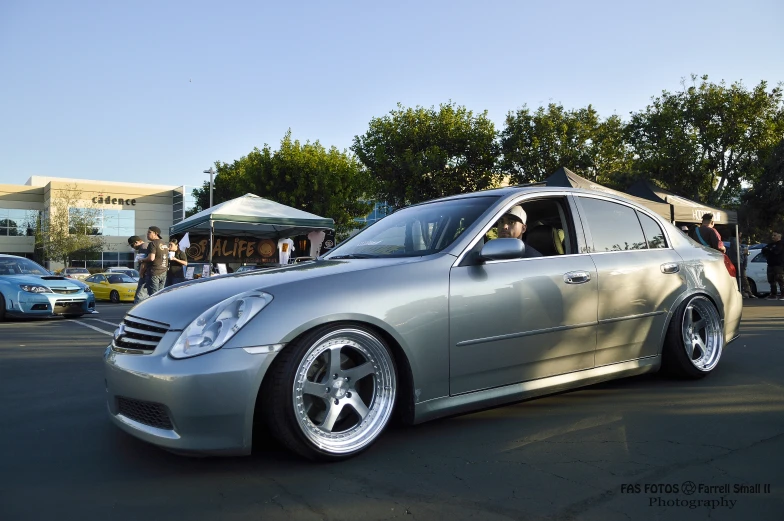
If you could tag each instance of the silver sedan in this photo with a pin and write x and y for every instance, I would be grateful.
(432, 311)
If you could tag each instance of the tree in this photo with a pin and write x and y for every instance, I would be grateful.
(536, 144)
(704, 141)
(763, 204)
(306, 176)
(416, 154)
(70, 226)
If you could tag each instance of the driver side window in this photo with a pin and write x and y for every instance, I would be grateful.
(547, 230)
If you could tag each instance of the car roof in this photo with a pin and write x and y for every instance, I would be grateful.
(532, 188)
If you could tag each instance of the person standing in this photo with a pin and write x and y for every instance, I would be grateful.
(774, 254)
(177, 262)
(155, 265)
(707, 234)
(140, 253)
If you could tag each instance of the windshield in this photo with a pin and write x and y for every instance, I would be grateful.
(77, 270)
(119, 279)
(415, 231)
(20, 266)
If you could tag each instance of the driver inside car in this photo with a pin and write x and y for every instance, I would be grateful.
(511, 225)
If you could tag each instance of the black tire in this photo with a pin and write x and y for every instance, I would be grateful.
(114, 297)
(753, 287)
(2, 308)
(304, 420)
(695, 339)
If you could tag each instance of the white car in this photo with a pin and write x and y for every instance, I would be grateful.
(757, 273)
(125, 271)
(75, 273)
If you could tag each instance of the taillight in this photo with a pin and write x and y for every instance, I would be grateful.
(730, 267)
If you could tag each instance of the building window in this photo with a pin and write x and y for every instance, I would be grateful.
(109, 223)
(183, 203)
(102, 260)
(18, 223)
(380, 210)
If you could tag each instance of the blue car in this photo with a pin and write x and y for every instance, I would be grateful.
(28, 290)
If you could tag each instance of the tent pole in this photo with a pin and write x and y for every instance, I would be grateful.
(212, 235)
(740, 261)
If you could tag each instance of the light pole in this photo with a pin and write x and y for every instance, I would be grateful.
(211, 171)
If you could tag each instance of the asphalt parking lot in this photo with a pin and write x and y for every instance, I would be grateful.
(640, 448)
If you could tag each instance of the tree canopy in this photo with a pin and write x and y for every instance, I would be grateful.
(535, 144)
(416, 154)
(306, 176)
(704, 141)
(764, 202)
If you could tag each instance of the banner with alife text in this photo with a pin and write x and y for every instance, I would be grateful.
(232, 249)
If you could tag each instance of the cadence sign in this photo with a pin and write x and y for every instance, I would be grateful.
(114, 200)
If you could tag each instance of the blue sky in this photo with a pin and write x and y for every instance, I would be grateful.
(142, 92)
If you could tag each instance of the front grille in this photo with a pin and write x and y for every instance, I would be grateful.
(138, 335)
(64, 291)
(68, 301)
(148, 413)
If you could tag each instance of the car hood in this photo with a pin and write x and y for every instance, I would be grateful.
(50, 281)
(178, 305)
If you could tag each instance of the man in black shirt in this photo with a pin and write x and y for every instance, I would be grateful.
(154, 266)
(774, 254)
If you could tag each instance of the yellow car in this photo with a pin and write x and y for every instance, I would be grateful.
(115, 287)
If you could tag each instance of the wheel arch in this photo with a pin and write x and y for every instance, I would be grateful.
(677, 304)
(404, 403)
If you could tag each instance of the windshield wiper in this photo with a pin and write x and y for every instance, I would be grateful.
(355, 256)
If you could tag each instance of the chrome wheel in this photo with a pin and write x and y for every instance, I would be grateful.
(703, 338)
(344, 390)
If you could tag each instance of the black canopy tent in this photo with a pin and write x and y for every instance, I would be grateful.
(683, 210)
(565, 177)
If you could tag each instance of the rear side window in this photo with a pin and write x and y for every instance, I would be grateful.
(653, 232)
(614, 227)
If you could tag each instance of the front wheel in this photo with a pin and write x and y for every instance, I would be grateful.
(114, 296)
(331, 394)
(695, 339)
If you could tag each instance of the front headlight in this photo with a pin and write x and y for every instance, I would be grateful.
(32, 288)
(217, 325)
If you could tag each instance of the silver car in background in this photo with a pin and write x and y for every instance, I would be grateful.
(422, 315)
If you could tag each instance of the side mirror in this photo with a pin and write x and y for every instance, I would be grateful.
(502, 249)
(104, 282)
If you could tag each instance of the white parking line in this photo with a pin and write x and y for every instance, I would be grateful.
(92, 327)
(105, 322)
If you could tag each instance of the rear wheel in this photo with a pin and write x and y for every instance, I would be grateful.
(695, 339)
(331, 394)
(114, 296)
(2, 308)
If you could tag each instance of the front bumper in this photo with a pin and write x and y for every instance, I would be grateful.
(203, 404)
(50, 304)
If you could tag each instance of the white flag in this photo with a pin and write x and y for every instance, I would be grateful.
(185, 242)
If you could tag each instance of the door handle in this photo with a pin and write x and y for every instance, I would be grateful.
(577, 277)
(670, 267)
